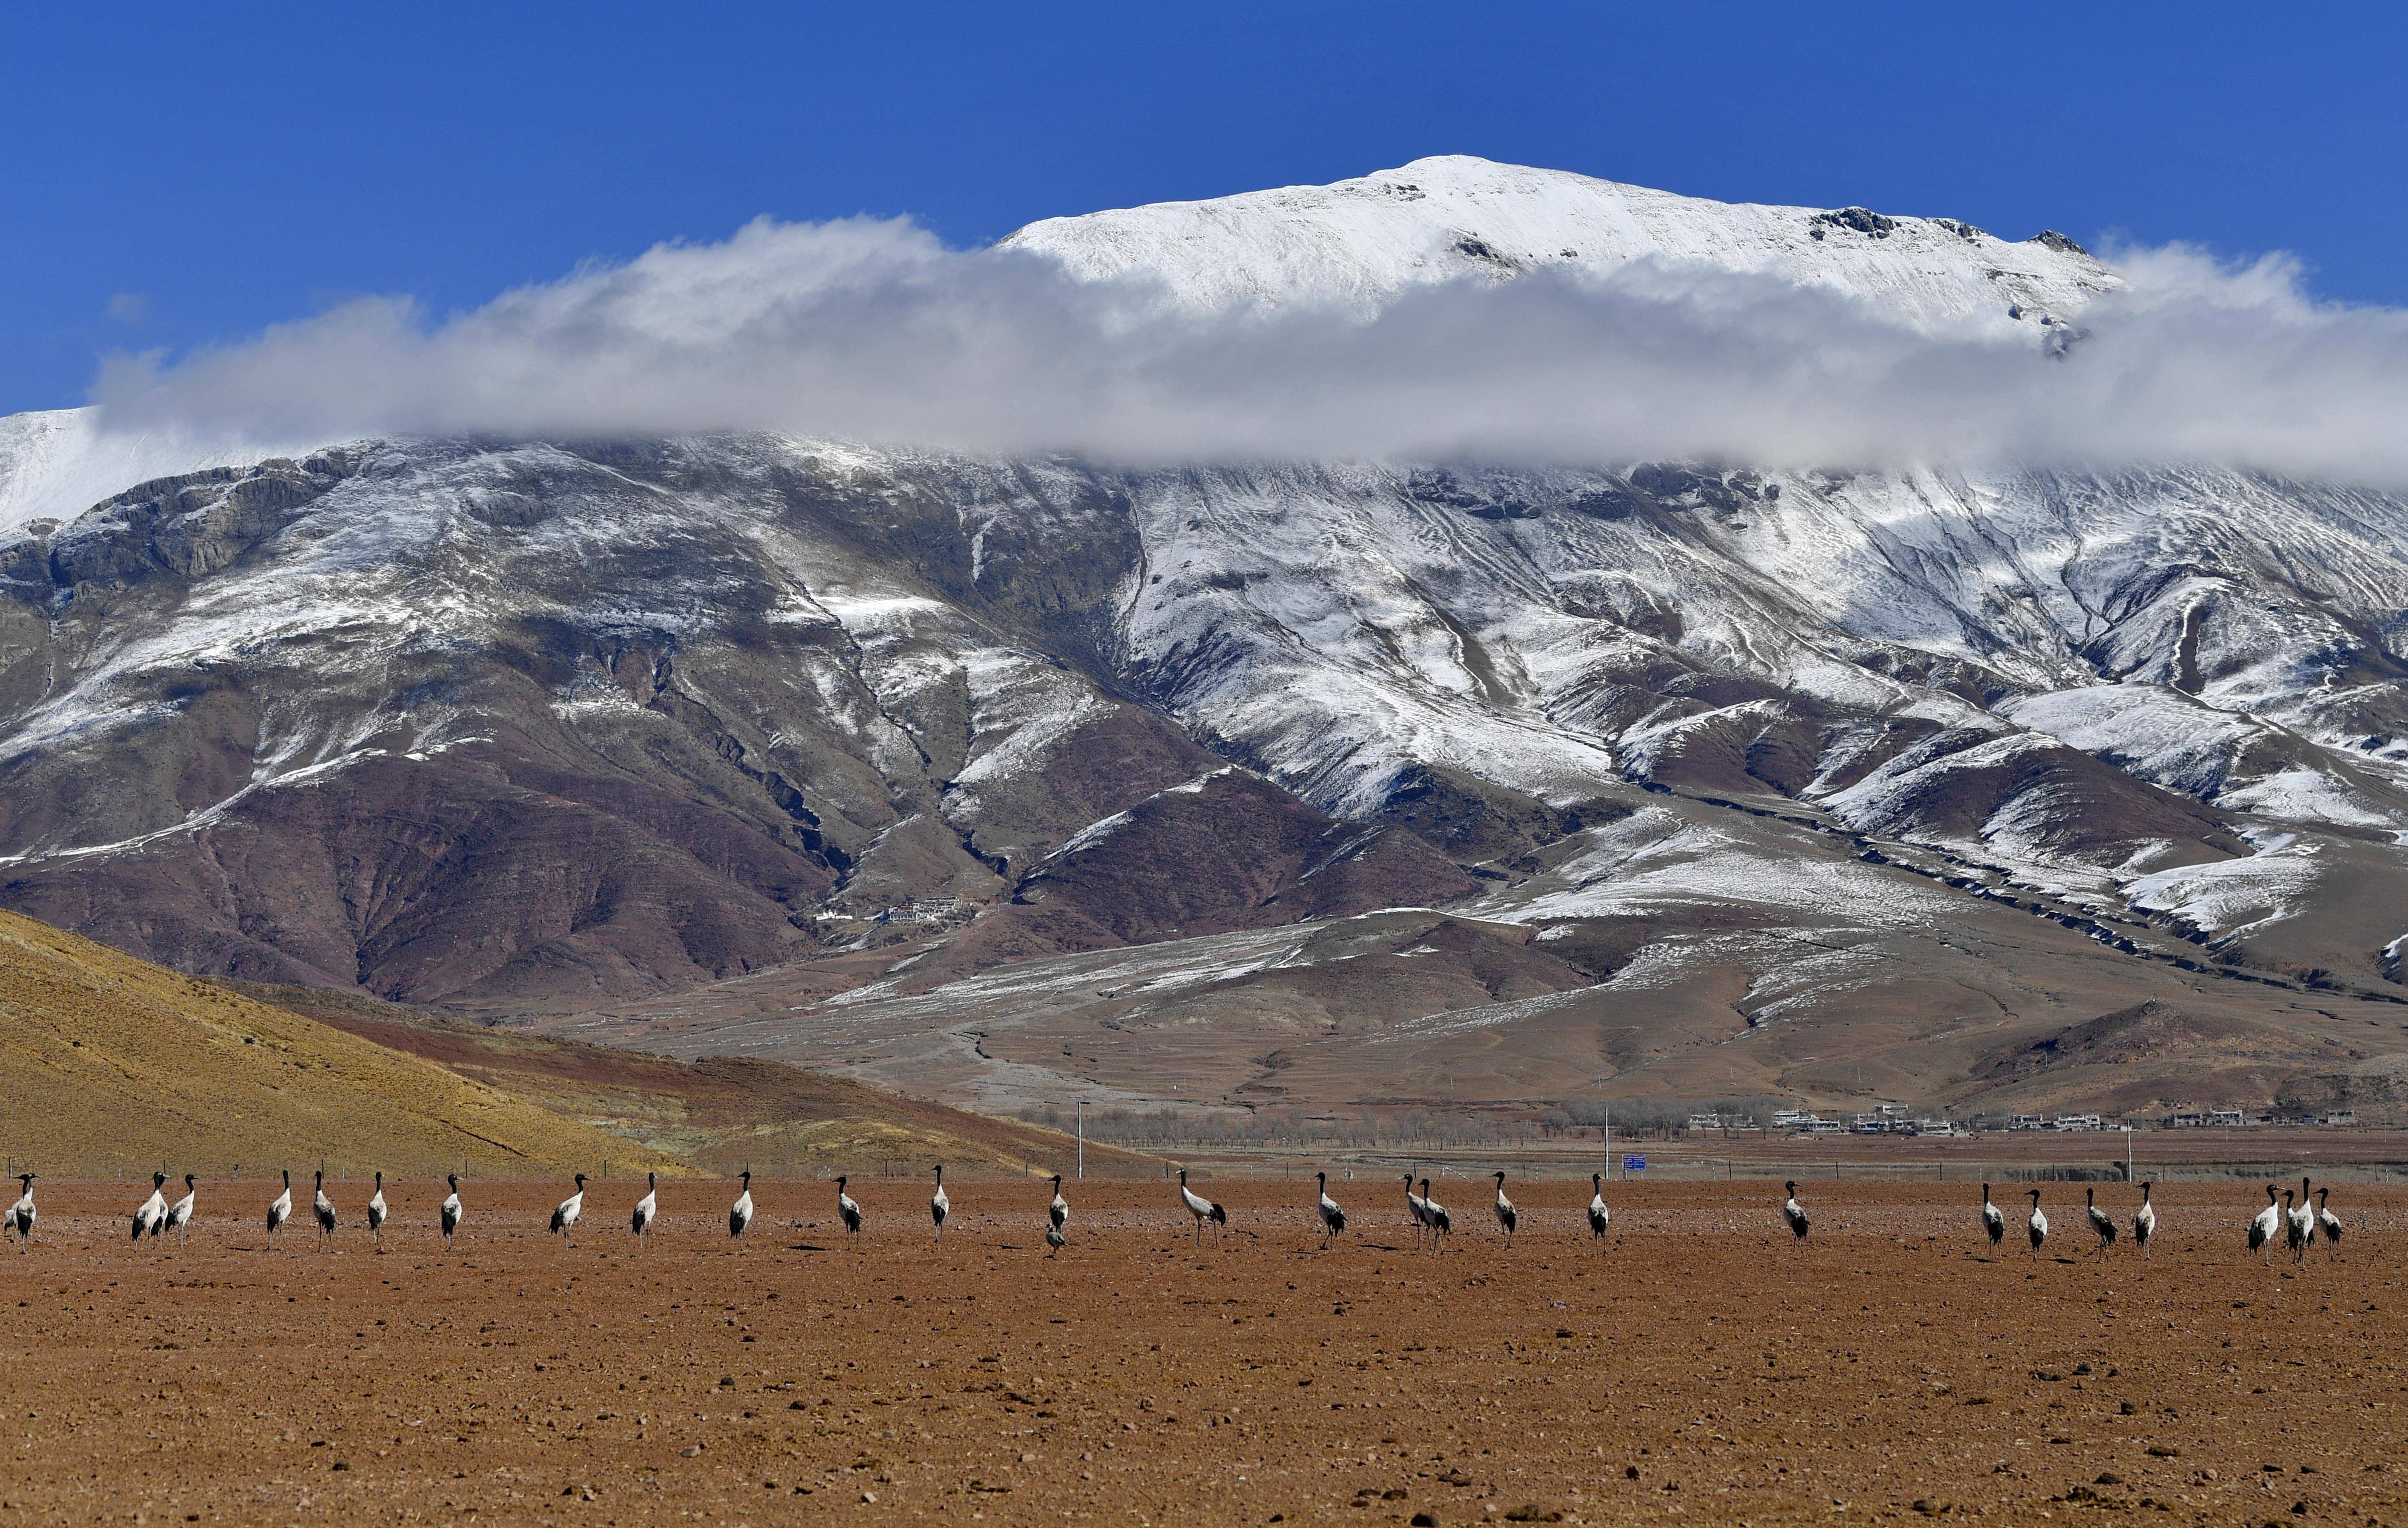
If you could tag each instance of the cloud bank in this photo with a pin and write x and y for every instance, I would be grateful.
(876, 331)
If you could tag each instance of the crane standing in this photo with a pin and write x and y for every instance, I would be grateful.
(1994, 1221)
(1418, 1207)
(2145, 1220)
(648, 1209)
(1795, 1213)
(2036, 1227)
(1598, 1215)
(2303, 1224)
(2263, 1227)
(179, 1214)
(564, 1215)
(324, 1209)
(2327, 1223)
(1057, 1213)
(21, 1214)
(2103, 1224)
(1202, 1209)
(152, 1210)
(279, 1210)
(451, 1208)
(377, 1211)
(939, 1206)
(1333, 1218)
(1442, 1224)
(850, 1212)
(740, 1214)
(1507, 1216)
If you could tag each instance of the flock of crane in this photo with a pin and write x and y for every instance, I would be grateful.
(2292, 1221)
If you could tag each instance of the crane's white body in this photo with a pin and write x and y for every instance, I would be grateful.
(850, 1212)
(647, 1208)
(151, 1212)
(452, 1208)
(279, 1210)
(1600, 1217)
(22, 1215)
(2327, 1223)
(939, 1206)
(1507, 1216)
(1795, 1213)
(1418, 1207)
(1442, 1224)
(2265, 1226)
(1057, 1214)
(1994, 1221)
(2036, 1225)
(179, 1214)
(1333, 1216)
(324, 1209)
(2144, 1220)
(2302, 1224)
(2103, 1224)
(378, 1211)
(564, 1214)
(1202, 1209)
(740, 1214)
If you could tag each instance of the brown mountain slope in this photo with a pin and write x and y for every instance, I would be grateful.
(115, 1065)
(720, 1113)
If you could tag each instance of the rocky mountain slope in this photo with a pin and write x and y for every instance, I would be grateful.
(1020, 779)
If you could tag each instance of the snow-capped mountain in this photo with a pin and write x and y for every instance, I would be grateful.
(1021, 778)
(1362, 242)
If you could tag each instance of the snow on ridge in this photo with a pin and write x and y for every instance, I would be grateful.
(57, 463)
(1362, 242)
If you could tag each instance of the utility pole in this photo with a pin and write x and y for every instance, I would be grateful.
(2128, 1153)
(1083, 1140)
(1605, 1113)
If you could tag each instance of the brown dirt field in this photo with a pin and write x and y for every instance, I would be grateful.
(1703, 1368)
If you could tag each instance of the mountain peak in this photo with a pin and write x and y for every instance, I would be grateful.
(1448, 217)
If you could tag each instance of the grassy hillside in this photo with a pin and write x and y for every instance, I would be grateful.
(115, 1065)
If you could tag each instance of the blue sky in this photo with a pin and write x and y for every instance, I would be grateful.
(179, 175)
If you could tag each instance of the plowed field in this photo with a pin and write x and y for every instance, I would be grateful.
(1703, 1368)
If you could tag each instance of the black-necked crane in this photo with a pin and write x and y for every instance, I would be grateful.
(939, 1206)
(2036, 1225)
(2327, 1223)
(1507, 1216)
(1057, 1213)
(152, 1210)
(1598, 1215)
(850, 1212)
(2145, 1220)
(564, 1215)
(324, 1209)
(1795, 1213)
(179, 1214)
(1994, 1221)
(21, 1214)
(2102, 1225)
(1202, 1209)
(2264, 1226)
(1418, 1207)
(1442, 1224)
(2296, 1223)
(451, 1207)
(647, 1208)
(1054, 1240)
(2304, 1218)
(378, 1211)
(740, 1214)
(279, 1210)
(1333, 1218)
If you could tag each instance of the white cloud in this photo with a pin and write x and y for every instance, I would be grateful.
(876, 331)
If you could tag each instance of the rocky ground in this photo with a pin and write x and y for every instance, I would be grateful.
(1703, 1368)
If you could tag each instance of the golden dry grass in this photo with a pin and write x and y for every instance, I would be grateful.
(115, 1064)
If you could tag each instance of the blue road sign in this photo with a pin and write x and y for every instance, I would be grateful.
(1634, 1164)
